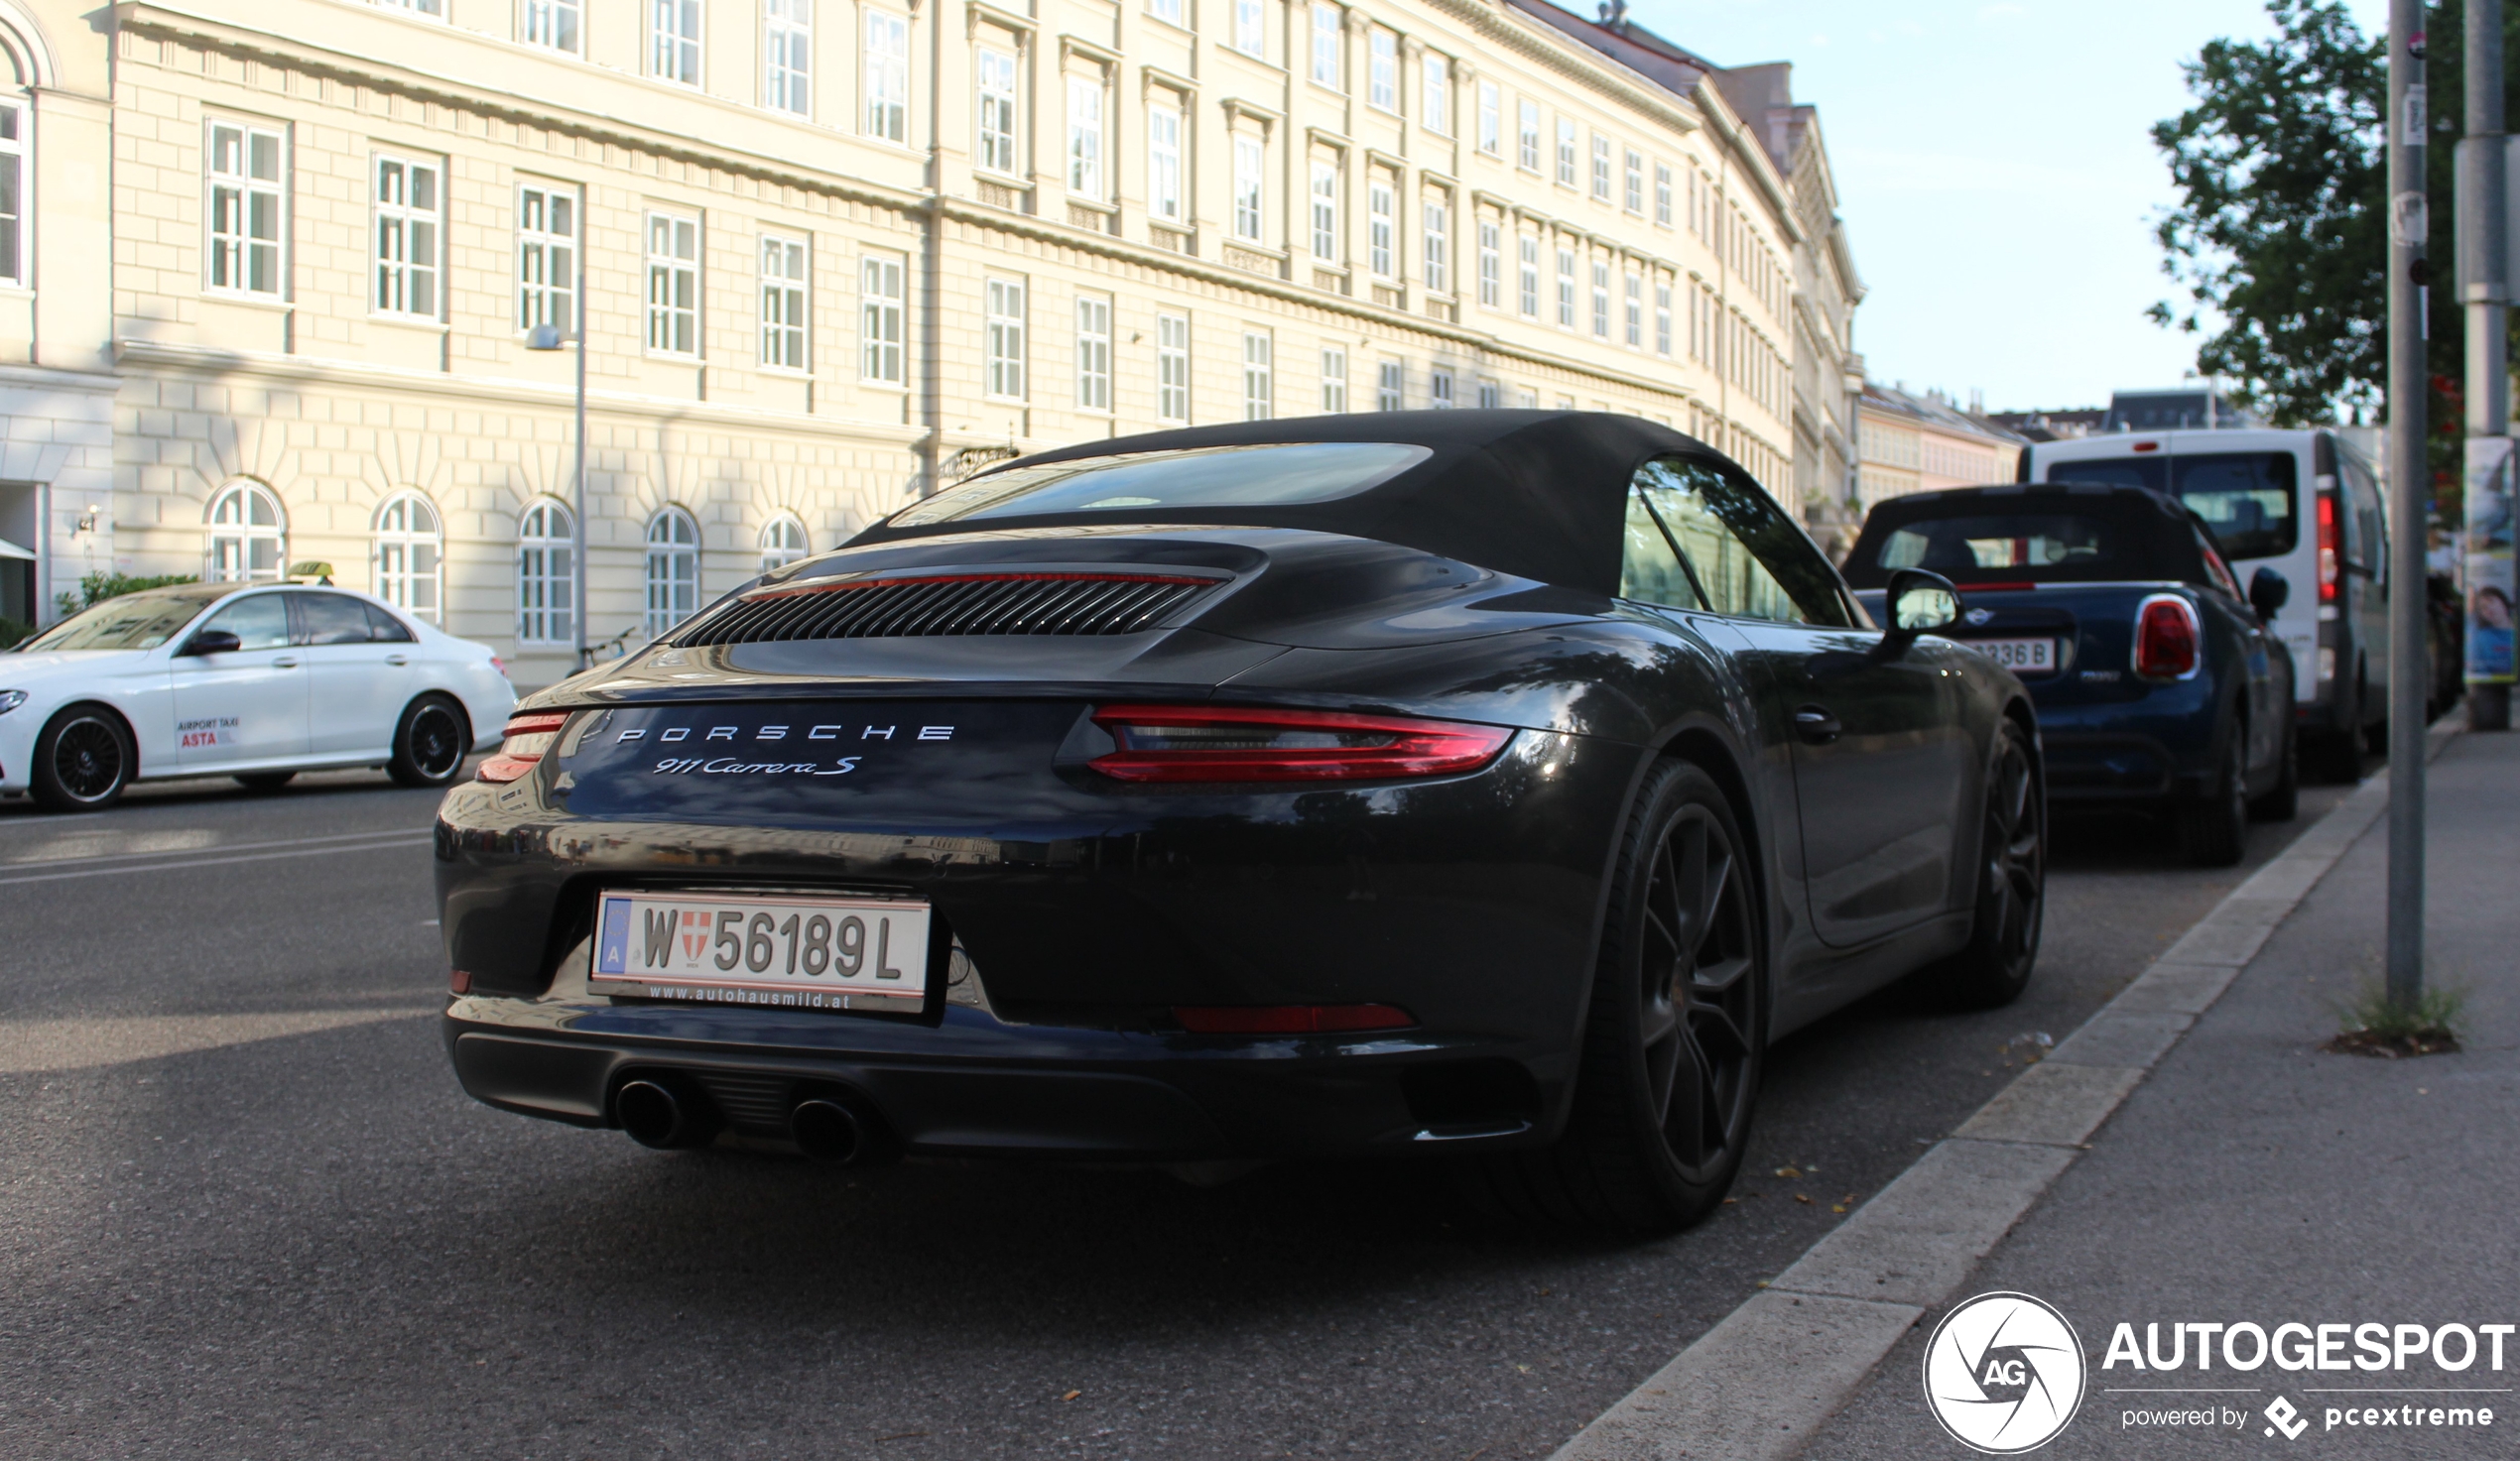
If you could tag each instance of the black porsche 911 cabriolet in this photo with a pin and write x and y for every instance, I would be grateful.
(1488, 783)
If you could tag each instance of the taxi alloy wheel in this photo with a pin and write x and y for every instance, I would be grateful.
(83, 760)
(429, 747)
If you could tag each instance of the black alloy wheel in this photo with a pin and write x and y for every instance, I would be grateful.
(83, 760)
(1676, 1038)
(2012, 883)
(2214, 829)
(430, 744)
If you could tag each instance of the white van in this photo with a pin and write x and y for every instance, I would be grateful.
(2304, 503)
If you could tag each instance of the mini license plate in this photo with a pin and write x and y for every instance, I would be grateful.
(2021, 656)
(798, 953)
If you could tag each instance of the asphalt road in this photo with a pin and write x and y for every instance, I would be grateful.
(245, 1211)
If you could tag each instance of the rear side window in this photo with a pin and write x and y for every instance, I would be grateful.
(2250, 499)
(1747, 559)
(330, 619)
(384, 628)
(1650, 573)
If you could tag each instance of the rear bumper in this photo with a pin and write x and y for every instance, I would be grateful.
(2102, 767)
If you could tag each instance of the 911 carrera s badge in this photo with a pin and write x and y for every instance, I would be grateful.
(737, 766)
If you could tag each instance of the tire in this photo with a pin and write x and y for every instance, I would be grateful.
(430, 743)
(1994, 968)
(83, 759)
(266, 781)
(2214, 829)
(1674, 1035)
(2282, 802)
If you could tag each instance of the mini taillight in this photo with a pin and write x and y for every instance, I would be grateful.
(2328, 554)
(1290, 1019)
(1215, 743)
(528, 737)
(2165, 634)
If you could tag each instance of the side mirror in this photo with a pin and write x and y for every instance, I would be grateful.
(2268, 591)
(211, 642)
(1920, 602)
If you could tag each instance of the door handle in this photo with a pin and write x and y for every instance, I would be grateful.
(398, 659)
(1816, 725)
(284, 662)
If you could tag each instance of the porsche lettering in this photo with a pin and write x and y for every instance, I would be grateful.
(780, 733)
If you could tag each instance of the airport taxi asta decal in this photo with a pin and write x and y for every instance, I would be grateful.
(745, 762)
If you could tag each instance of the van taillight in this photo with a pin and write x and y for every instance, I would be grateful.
(528, 737)
(2327, 557)
(2166, 634)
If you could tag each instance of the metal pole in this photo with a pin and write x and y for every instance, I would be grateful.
(2484, 246)
(577, 478)
(2410, 482)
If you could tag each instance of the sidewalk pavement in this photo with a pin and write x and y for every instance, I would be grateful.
(2252, 1177)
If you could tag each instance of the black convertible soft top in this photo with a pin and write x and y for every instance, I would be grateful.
(1538, 494)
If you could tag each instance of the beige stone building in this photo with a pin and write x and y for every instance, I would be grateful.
(271, 268)
(1922, 442)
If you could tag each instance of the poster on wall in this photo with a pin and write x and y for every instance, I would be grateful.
(2488, 582)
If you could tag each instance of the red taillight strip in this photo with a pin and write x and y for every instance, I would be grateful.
(915, 580)
(1290, 1019)
(513, 761)
(1418, 748)
(2329, 558)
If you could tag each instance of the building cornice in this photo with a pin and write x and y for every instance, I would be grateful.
(1568, 58)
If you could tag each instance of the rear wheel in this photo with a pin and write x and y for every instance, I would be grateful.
(1673, 1038)
(83, 760)
(2282, 802)
(266, 781)
(2213, 827)
(430, 744)
(2012, 884)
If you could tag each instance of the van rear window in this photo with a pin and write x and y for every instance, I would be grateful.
(2249, 498)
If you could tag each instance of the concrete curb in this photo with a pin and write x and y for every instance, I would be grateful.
(1760, 1385)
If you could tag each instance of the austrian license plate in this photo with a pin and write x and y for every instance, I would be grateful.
(2021, 656)
(799, 952)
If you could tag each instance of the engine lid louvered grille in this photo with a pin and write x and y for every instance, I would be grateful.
(1032, 603)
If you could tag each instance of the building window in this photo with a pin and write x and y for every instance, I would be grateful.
(1635, 304)
(783, 304)
(1166, 11)
(1436, 256)
(1389, 378)
(408, 556)
(1491, 118)
(674, 570)
(674, 285)
(997, 112)
(1439, 388)
(1381, 206)
(1527, 249)
(407, 201)
(1382, 88)
(1006, 338)
(1527, 399)
(1601, 299)
(883, 297)
(1565, 288)
(1084, 136)
(1662, 194)
(1327, 22)
(1565, 152)
(674, 41)
(246, 208)
(1491, 265)
(544, 584)
(1249, 164)
(1490, 396)
(787, 55)
(1333, 381)
(781, 541)
(545, 257)
(887, 77)
(1171, 369)
(1635, 178)
(1251, 28)
(1259, 385)
(1527, 136)
(1435, 104)
(1164, 161)
(1600, 167)
(1093, 352)
(1662, 317)
(554, 23)
(248, 535)
(434, 9)
(1324, 211)
(13, 177)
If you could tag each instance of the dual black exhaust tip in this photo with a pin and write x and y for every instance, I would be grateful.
(668, 1117)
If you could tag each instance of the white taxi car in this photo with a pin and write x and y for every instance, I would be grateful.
(258, 682)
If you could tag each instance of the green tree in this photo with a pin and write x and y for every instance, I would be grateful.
(95, 588)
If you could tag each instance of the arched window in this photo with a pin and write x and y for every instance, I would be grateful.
(410, 556)
(544, 598)
(781, 541)
(674, 570)
(248, 537)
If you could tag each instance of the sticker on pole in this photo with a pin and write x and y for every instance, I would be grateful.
(2004, 1373)
(2487, 560)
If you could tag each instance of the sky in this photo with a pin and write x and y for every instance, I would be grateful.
(1996, 173)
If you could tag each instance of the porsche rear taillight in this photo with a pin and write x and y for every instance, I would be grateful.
(528, 737)
(1206, 743)
(2166, 636)
(2329, 559)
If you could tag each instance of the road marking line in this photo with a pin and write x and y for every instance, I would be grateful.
(207, 848)
(1760, 1385)
(405, 840)
(38, 1046)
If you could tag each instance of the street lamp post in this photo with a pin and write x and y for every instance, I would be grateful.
(549, 337)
